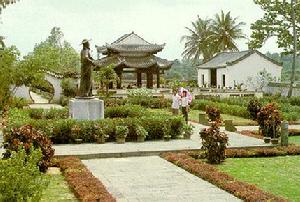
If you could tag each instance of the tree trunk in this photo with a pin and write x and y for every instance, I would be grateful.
(293, 3)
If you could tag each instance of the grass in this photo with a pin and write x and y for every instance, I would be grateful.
(277, 175)
(295, 140)
(237, 121)
(58, 190)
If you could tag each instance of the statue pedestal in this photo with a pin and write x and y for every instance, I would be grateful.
(86, 108)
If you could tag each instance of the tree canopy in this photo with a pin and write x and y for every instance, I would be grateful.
(210, 36)
(56, 55)
(276, 22)
(4, 3)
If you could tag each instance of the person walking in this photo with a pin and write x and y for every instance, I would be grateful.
(185, 106)
(175, 102)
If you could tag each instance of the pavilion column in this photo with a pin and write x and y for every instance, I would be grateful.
(149, 79)
(158, 78)
(139, 79)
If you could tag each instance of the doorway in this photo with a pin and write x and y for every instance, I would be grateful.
(213, 77)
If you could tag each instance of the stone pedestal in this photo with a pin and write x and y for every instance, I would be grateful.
(86, 108)
(284, 133)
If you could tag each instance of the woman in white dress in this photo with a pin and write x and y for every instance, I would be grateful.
(175, 103)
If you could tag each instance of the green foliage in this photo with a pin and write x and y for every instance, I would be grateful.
(4, 3)
(253, 108)
(69, 87)
(277, 22)
(121, 131)
(106, 75)
(56, 55)
(140, 131)
(156, 103)
(48, 114)
(140, 92)
(214, 143)
(21, 179)
(28, 137)
(210, 36)
(62, 131)
(124, 111)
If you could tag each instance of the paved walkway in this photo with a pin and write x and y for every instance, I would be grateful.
(153, 179)
(36, 98)
(45, 106)
(149, 147)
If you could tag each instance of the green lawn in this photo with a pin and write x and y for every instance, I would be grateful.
(58, 190)
(277, 175)
(295, 140)
(238, 121)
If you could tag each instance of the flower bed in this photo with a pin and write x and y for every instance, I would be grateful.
(226, 182)
(85, 186)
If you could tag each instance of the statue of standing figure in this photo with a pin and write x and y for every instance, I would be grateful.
(87, 63)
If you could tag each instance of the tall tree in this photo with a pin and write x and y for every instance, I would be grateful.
(225, 31)
(210, 36)
(281, 20)
(198, 41)
(56, 54)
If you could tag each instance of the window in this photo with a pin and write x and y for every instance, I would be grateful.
(202, 79)
(223, 80)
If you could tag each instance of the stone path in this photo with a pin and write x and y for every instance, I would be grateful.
(153, 179)
(45, 106)
(36, 98)
(88, 151)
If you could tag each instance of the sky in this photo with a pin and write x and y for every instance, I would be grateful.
(29, 22)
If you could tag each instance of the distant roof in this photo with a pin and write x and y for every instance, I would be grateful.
(224, 59)
(130, 43)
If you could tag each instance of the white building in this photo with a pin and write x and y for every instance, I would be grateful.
(230, 69)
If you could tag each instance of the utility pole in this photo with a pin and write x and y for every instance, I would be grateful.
(293, 4)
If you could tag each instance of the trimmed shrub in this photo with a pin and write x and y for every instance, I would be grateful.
(269, 120)
(85, 186)
(69, 87)
(213, 113)
(124, 111)
(210, 173)
(21, 179)
(214, 143)
(253, 108)
(29, 137)
(48, 114)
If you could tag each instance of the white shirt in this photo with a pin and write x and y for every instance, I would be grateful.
(184, 101)
(176, 101)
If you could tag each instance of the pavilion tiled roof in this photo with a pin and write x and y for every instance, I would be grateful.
(130, 43)
(224, 59)
(134, 62)
(132, 51)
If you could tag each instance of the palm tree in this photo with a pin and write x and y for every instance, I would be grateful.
(4, 3)
(198, 42)
(225, 31)
(208, 37)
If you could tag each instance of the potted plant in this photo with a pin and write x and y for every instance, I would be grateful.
(121, 134)
(187, 131)
(141, 133)
(100, 135)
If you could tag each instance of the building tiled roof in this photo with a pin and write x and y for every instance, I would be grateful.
(224, 59)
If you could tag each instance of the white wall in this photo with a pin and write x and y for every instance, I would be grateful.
(22, 92)
(206, 74)
(56, 85)
(250, 67)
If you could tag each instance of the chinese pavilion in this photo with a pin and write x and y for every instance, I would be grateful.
(132, 54)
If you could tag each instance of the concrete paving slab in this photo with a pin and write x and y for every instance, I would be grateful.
(153, 179)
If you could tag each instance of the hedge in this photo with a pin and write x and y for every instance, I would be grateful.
(85, 186)
(60, 130)
(242, 190)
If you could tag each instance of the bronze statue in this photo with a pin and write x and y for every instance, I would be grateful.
(87, 63)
